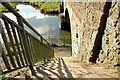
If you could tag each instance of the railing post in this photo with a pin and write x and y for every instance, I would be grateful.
(33, 49)
(12, 42)
(19, 19)
(17, 43)
(41, 38)
(22, 46)
(8, 48)
(5, 60)
(29, 47)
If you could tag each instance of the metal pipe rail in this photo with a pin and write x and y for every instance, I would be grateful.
(27, 49)
(5, 4)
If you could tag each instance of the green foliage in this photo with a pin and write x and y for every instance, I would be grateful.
(64, 33)
(2, 8)
(2, 75)
(5, 50)
(11, 49)
(49, 6)
(13, 4)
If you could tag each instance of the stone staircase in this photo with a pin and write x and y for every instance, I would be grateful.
(67, 68)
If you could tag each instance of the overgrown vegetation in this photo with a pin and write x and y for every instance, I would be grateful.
(3, 9)
(49, 7)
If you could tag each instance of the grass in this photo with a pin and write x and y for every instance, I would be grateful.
(11, 49)
(1, 76)
(5, 50)
(64, 33)
(65, 38)
(3, 9)
(45, 7)
(49, 7)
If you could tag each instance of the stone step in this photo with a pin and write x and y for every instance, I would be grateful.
(69, 67)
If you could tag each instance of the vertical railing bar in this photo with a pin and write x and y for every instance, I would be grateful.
(29, 47)
(35, 49)
(12, 43)
(29, 42)
(19, 19)
(17, 43)
(4, 57)
(43, 51)
(26, 46)
(32, 48)
(39, 50)
(32, 52)
(18, 15)
(22, 45)
(8, 48)
(32, 39)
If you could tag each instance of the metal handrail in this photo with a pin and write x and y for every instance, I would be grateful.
(5, 4)
(27, 48)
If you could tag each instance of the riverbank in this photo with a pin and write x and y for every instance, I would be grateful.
(50, 7)
(45, 7)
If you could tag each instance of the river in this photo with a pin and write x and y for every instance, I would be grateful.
(46, 25)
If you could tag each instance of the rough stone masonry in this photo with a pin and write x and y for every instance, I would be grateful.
(98, 30)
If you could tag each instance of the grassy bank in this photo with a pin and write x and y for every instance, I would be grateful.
(49, 7)
(45, 7)
(3, 9)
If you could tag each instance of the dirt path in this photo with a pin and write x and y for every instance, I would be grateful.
(62, 52)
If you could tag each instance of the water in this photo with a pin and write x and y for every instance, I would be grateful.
(46, 25)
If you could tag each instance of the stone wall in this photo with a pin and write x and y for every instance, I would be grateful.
(96, 25)
(111, 40)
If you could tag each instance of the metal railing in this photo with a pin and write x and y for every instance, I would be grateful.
(27, 48)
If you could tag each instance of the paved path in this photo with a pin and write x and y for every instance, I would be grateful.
(71, 69)
(62, 52)
(67, 68)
